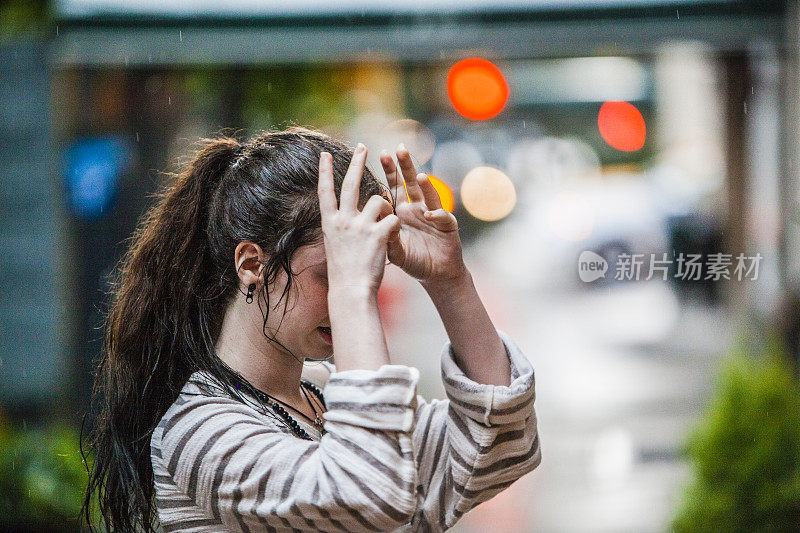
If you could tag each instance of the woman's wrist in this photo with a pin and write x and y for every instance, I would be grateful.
(355, 293)
(358, 339)
(450, 287)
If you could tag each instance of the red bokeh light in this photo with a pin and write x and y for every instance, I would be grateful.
(477, 89)
(622, 126)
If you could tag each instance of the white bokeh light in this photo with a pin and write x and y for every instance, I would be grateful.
(488, 194)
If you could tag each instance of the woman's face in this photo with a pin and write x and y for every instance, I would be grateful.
(307, 307)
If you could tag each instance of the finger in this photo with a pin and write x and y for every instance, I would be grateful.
(327, 194)
(392, 178)
(442, 219)
(376, 208)
(432, 200)
(352, 180)
(395, 251)
(395, 244)
(389, 226)
(409, 174)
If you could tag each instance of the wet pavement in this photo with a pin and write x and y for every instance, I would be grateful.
(622, 374)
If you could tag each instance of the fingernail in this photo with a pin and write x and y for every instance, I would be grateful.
(401, 146)
(360, 148)
(384, 152)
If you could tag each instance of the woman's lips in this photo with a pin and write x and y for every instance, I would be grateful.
(326, 335)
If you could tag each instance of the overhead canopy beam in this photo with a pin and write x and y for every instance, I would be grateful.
(152, 41)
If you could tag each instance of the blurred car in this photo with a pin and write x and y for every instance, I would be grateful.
(611, 216)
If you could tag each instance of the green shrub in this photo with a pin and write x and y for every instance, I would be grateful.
(746, 450)
(42, 479)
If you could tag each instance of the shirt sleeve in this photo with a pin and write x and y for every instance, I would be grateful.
(247, 474)
(475, 443)
(317, 372)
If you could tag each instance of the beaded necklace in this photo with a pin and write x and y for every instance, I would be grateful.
(291, 422)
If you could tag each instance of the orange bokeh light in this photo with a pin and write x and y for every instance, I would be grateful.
(622, 126)
(446, 195)
(477, 89)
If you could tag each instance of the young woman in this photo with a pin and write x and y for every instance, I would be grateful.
(219, 411)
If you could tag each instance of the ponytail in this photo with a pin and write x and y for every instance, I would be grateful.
(157, 324)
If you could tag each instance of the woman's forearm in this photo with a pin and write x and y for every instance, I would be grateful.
(358, 339)
(478, 349)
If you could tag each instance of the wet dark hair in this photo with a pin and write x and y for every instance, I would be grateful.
(170, 291)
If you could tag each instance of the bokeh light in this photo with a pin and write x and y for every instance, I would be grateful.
(622, 126)
(445, 193)
(488, 194)
(419, 140)
(477, 89)
(548, 163)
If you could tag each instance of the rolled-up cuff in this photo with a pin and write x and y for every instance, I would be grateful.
(491, 404)
(379, 399)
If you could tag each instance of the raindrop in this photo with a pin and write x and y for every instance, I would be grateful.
(169, 100)
(524, 125)
(56, 29)
(745, 108)
(678, 14)
(180, 35)
(137, 136)
(752, 90)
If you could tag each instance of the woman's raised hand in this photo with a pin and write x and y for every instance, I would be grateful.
(428, 246)
(355, 242)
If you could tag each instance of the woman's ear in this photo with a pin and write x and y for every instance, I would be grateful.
(248, 259)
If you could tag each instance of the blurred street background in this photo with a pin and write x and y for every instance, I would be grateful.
(569, 137)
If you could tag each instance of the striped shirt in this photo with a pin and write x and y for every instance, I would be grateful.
(389, 460)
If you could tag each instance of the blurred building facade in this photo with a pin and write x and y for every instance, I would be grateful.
(130, 87)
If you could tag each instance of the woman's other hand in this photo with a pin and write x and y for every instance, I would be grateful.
(355, 242)
(427, 246)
